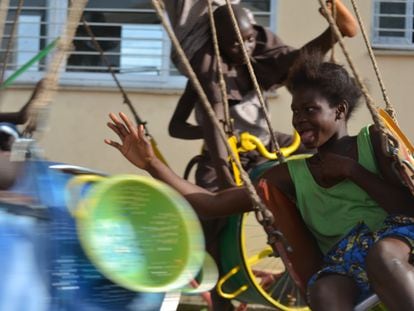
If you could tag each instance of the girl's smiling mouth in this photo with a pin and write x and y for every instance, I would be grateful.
(307, 137)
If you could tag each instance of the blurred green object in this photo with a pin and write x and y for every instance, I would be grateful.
(29, 63)
(139, 232)
(378, 307)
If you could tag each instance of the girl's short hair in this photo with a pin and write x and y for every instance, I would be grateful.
(330, 79)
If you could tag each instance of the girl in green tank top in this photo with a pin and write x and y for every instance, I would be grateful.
(322, 207)
(348, 195)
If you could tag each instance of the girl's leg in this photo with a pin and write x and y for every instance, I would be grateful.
(333, 292)
(390, 273)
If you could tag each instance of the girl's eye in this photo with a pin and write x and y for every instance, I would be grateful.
(310, 109)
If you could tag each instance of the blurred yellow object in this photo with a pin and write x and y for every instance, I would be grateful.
(157, 151)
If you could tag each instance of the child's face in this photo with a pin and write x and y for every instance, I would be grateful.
(230, 47)
(314, 119)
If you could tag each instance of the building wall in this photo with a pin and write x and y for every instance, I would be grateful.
(77, 127)
(77, 121)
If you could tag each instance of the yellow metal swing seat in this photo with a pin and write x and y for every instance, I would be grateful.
(399, 148)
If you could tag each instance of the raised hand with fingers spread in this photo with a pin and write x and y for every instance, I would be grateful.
(134, 145)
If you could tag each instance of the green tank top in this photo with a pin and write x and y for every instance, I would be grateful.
(331, 212)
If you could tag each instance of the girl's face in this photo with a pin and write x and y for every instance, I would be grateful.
(313, 118)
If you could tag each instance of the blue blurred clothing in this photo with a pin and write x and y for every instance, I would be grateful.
(43, 265)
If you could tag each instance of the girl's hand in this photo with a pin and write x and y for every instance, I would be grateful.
(134, 145)
(335, 167)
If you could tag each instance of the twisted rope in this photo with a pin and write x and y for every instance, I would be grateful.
(50, 85)
(257, 88)
(390, 110)
(373, 109)
(125, 96)
(222, 83)
(333, 58)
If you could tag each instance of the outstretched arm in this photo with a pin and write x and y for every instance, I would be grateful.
(179, 127)
(137, 149)
(346, 23)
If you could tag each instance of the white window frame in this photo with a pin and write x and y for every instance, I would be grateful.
(31, 76)
(164, 81)
(404, 42)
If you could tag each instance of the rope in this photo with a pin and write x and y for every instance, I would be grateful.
(4, 7)
(96, 44)
(388, 105)
(258, 204)
(333, 60)
(125, 96)
(279, 154)
(11, 40)
(222, 83)
(51, 79)
(369, 101)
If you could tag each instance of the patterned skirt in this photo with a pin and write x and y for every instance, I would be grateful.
(347, 257)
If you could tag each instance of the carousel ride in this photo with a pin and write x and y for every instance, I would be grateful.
(265, 269)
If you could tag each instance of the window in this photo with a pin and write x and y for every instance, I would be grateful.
(135, 43)
(30, 35)
(393, 24)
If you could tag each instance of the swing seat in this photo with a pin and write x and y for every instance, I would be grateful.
(252, 271)
(297, 242)
(399, 148)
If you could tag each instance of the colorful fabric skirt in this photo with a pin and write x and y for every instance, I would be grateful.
(347, 257)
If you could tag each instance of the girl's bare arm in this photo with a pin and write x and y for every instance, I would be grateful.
(137, 149)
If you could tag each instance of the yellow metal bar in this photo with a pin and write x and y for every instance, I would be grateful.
(251, 261)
